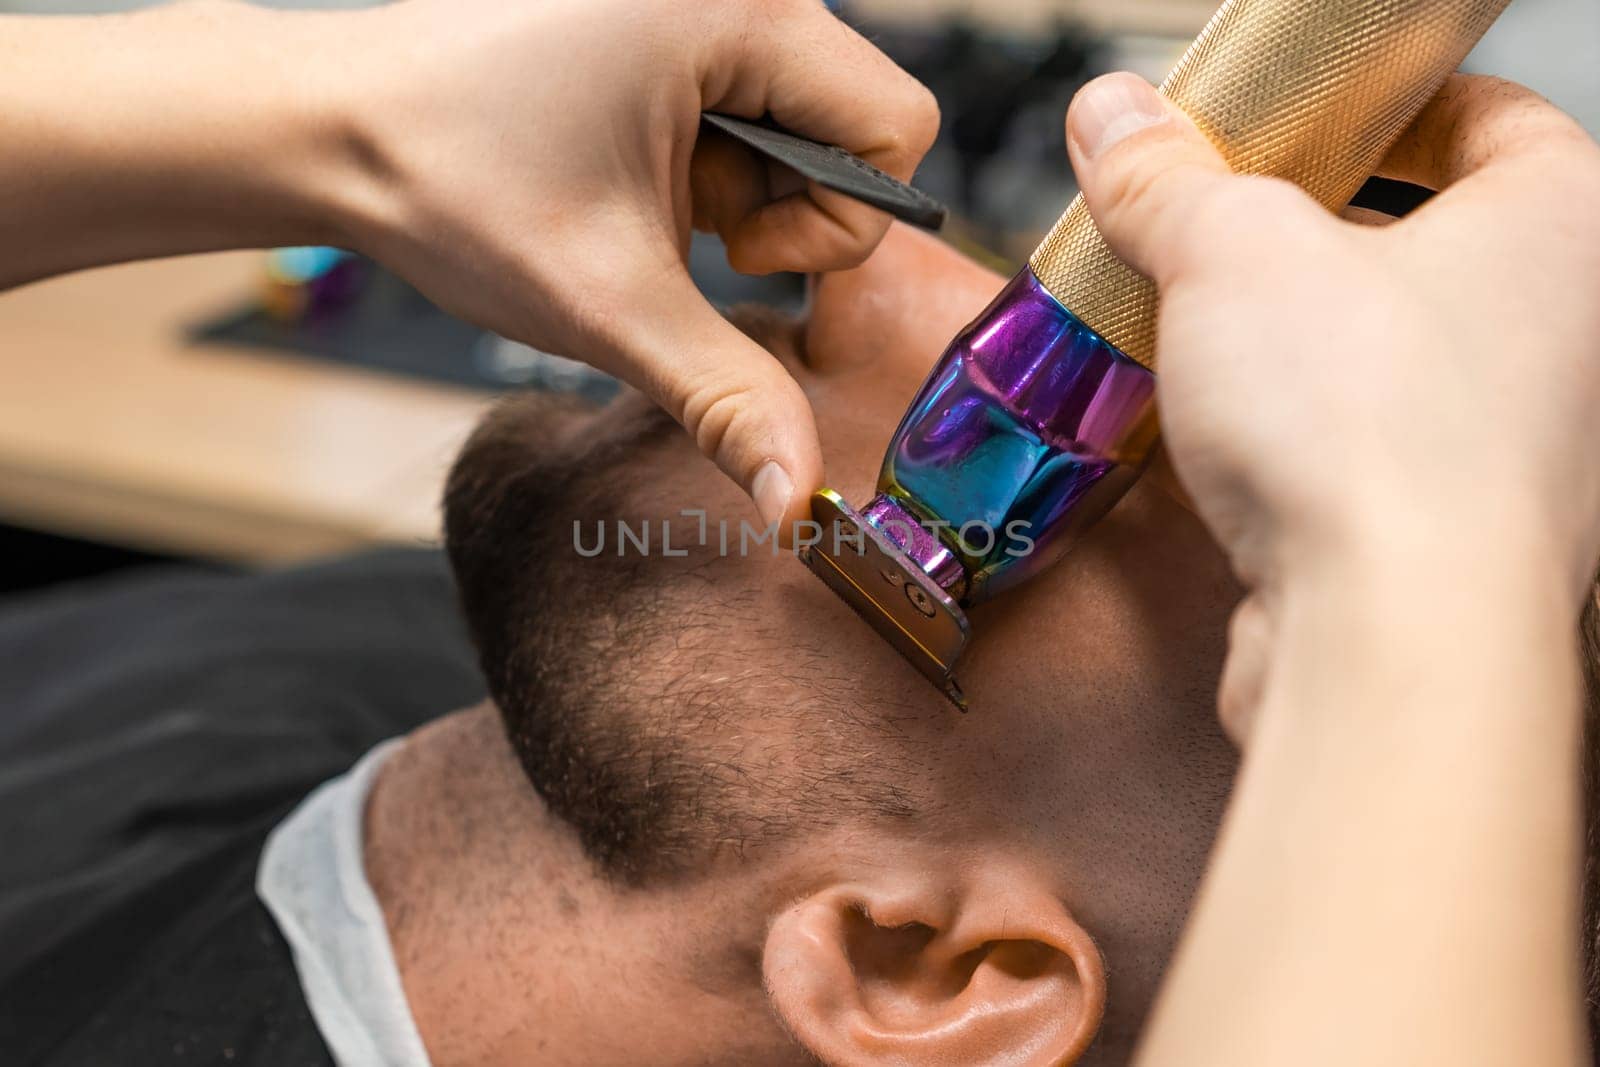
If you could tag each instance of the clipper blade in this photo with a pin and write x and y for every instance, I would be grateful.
(882, 585)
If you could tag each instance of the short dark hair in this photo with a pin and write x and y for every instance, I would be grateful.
(612, 749)
(635, 757)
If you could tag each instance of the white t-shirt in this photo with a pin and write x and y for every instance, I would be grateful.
(313, 880)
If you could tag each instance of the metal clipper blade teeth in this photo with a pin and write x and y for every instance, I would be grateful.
(882, 584)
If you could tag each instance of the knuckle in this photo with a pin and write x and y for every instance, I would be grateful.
(1491, 86)
(854, 232)
(1589, 181)
(921, 116)
(717, 413)
(908, 126)
(1535, 123)
(1567, 144)
(1511, 119)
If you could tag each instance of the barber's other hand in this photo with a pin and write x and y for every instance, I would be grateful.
(1423, 396)
(536, 170)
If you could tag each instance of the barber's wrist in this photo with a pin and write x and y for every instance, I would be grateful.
(1393, 547)
(1448, 616)
(335, 180)
(268, 109)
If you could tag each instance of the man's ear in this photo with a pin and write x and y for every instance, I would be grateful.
(936, 969)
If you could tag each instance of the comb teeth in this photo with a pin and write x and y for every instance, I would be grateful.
(881, 584)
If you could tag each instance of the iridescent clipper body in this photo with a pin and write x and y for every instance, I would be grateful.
(1041, 413)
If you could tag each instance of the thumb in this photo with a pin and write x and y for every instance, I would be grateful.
(1145, 170)
(739, 403)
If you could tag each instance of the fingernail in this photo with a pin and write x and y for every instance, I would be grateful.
(1113, 108)
(772, 489)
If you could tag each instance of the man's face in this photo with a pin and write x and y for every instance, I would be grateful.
(1091, 748)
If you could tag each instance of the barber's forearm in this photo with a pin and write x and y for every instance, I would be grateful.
(191, 128)
(1398, 878)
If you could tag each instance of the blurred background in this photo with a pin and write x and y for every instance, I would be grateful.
(266, 407)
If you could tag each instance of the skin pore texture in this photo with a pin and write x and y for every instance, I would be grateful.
(1022, 906)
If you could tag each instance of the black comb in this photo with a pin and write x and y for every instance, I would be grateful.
(833, 168)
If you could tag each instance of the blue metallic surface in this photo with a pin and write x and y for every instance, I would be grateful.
(1029, 427)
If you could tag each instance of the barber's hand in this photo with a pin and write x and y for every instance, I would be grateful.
(1426, 391)
(538, 173)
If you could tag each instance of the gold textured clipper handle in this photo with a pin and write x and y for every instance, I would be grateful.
(1315, 91)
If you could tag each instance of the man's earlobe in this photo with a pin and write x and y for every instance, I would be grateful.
(936, 971)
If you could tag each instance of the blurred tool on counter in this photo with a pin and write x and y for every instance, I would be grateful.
(310, 283)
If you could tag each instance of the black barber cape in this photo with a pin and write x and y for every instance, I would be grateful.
(153, 730)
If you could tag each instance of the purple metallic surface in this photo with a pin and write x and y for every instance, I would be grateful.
(919, 543)
(1028, 418)
(1056, 374)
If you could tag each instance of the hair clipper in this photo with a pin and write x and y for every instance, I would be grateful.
(1041, 413)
